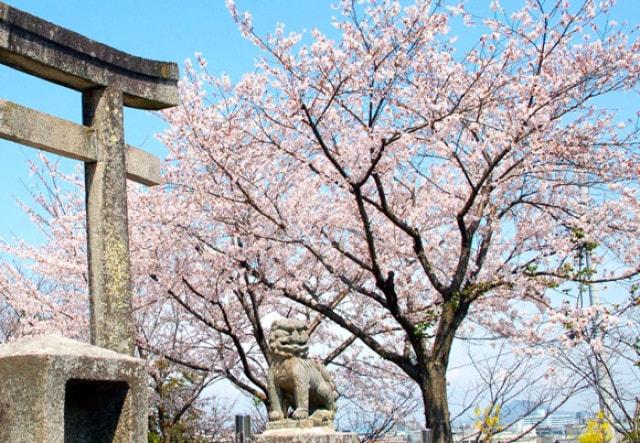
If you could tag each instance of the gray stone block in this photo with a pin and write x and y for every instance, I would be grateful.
(314, 434)
(56, 54)
(57, 390)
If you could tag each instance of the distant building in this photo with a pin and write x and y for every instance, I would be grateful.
(532, 425)
(525, 423)
(409, 431)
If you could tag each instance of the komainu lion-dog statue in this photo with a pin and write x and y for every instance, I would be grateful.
(296, 381)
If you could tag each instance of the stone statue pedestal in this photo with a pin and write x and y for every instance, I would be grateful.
(57, 390)
(303, 431)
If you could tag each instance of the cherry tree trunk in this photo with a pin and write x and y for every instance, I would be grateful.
(165, 431)
(436, 408)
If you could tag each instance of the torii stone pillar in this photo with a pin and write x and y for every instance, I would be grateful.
(107, 225)
(57, 390)
(108, 79)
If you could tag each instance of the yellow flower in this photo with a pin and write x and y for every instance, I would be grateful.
(598, 430)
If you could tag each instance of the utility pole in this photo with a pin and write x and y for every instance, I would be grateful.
(600, 373)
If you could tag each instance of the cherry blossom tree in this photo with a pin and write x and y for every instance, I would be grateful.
(43, 285)
(610, 361)
(192, 328)
(408, 189)
(180, 410)
(507, 387)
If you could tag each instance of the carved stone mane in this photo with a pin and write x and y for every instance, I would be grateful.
(295, 381)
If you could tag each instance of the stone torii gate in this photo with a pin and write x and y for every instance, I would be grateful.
(52, 389)
(108, 80)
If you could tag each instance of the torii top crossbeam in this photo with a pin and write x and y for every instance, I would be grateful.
(40, 48)
(108, 79)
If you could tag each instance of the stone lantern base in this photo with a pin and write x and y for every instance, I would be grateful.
(57, 390)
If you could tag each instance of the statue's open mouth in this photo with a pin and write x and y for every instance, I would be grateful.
(294, 348)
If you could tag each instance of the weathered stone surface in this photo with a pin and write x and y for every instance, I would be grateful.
(48, 133)
(107, 224)
(52, 134)
(56, 390)
(301, 384)
(296, 381)
(315, 434)
(289, 423)
(40, 48)
(142, 167)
